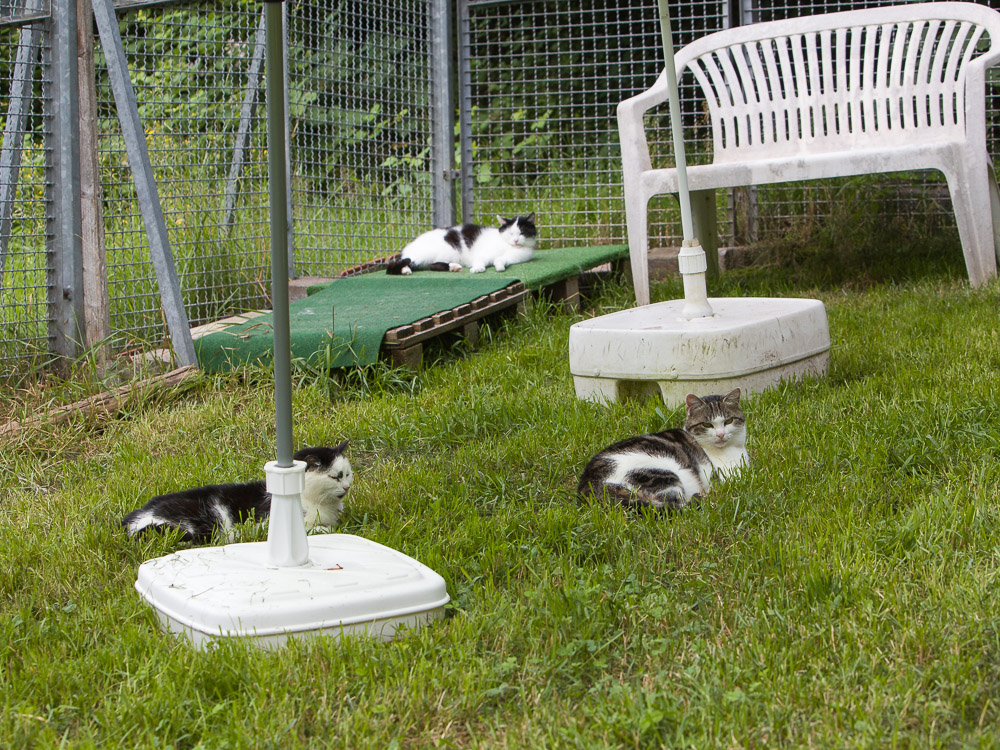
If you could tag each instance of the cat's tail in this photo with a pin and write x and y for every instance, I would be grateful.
(400, 267)
(143, 520)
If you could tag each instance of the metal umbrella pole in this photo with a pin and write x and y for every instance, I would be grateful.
(286, 534)
(691, 260)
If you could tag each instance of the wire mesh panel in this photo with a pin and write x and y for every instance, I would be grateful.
(190, 66)
(359, 128)
(24, 315)
(23, 11)
(360, 121)
(541, 84)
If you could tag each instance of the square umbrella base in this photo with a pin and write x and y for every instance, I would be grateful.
(751, 343)
(349, 586)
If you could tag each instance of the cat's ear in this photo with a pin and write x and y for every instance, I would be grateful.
(340, 448)
(530, 217)
(311, 459)
(693, 402)
(733, 396)
(501, 220)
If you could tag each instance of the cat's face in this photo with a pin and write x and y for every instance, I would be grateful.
(327, 470)
(519, 231)
(716, 421)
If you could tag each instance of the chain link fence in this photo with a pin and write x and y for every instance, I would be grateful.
(398, 120)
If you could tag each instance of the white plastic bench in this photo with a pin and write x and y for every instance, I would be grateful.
(860, 92)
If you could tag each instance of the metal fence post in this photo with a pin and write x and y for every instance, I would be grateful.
(64, 264)
(465, 109)
(145, 185)
(443, 115)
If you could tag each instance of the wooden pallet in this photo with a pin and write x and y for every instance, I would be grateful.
(405, 345)
(571, 291)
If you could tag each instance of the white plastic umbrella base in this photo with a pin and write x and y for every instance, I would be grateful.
(350, 585)
(750, 342)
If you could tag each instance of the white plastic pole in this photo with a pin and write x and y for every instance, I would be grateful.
(692, 264)
(691, 261)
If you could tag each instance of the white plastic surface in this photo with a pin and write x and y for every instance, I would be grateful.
(752, 343)
(349, 585)
(832, 95)
(285, 480)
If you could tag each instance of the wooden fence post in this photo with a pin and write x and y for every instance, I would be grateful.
(96, 304)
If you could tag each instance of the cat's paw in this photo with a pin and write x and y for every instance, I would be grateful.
(499, 266)
(477, 269)
(454, 267)
(406, 271)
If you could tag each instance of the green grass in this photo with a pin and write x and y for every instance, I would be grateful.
(843, 594)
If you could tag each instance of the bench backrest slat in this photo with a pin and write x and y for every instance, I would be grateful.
(841, 80)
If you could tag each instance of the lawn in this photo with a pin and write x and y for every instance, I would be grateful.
(843, 593)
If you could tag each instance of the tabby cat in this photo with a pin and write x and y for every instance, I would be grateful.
(667, 469)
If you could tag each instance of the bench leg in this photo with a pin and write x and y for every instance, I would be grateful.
(995, 211)
(704, 216)
(971, 198)
(706, 229)
(636, 217)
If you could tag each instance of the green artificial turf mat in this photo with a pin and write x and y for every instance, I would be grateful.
(344, 321)
(550, 266)
(358, 309)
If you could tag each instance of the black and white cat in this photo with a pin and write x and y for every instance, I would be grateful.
(199, 511)
(470, 246)
(666, 469)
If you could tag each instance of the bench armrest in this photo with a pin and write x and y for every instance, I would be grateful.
(631, 128)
